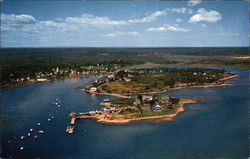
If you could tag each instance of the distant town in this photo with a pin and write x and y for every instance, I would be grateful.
(58, 73)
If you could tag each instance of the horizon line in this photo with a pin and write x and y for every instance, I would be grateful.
(124, 47)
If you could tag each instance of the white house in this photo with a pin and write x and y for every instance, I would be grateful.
(93, 89)
(127, 79)
(156, 107)
(147, 98)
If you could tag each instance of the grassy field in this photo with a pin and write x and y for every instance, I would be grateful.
(123, 102)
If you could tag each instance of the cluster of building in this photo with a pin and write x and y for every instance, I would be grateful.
(155, 106)
(56, 72)
(111, 111)
(118, 76)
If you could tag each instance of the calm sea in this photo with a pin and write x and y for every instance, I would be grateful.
(218, 129)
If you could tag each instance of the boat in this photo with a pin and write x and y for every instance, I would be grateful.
(21, 148)
(28, 134)
(58, 105)
(49, 119)
(22, 137)
(31, 130)
(35, 137)
(38, 124)
(106, 100)
(41, 131)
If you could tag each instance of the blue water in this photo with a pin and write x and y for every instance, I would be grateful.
(218, 129)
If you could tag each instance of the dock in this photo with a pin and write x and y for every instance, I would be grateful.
(74, 116)
(70, 129)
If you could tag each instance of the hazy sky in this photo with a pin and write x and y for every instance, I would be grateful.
(124, 24)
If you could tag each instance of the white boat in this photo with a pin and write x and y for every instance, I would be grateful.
(28, 134)
(21, 148)
(31, 130)
(49, 119)
(58, 105)
(38, 124)
(22, 137)
(35, 137)
(41, 131)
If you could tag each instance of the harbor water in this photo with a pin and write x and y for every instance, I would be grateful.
(219, 128)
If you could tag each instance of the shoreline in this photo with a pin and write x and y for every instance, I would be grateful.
(164, 91)
(168, 117)
(26, 83)
(218, 65)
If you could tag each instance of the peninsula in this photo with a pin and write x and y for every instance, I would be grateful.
(158, 80)
(123, 83)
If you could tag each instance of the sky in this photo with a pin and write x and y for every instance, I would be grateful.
(193, 23)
